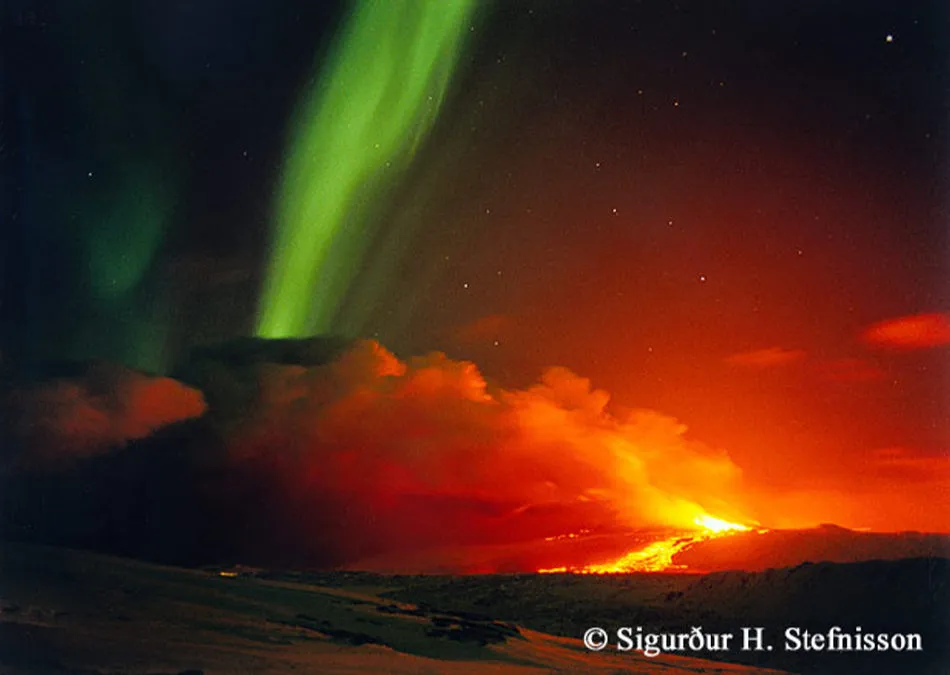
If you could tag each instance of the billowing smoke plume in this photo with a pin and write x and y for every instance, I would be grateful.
(104, 407)
(364, 455)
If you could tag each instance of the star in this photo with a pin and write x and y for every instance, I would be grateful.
(889, 38)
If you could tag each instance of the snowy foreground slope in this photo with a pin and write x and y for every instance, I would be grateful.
(65, 611)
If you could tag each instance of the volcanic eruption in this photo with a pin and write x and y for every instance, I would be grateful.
(440, 335)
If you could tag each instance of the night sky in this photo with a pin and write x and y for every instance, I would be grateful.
(731, 212)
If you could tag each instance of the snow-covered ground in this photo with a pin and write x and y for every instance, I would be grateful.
(65, 611)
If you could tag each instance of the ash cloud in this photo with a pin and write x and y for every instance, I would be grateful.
(312, 453)
(93, 412)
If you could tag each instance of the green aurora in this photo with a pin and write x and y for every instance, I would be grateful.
(122, 204)
(355, 133)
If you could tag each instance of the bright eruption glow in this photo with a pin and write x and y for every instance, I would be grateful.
(658, 556)
(359, 128)
(423, 455)
(718, 525)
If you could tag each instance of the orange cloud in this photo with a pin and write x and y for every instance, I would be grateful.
(766, 358)
(104, 408)
(917, 331)
(423, 452)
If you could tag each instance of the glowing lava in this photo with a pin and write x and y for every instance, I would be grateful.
(658, 556)
(718, 525)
